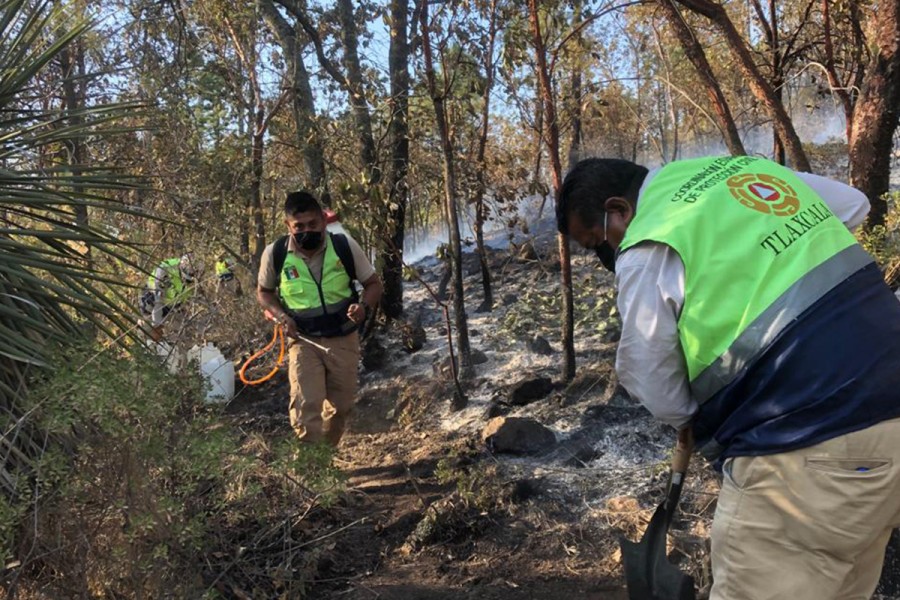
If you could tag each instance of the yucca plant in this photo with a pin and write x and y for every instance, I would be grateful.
(60, 276)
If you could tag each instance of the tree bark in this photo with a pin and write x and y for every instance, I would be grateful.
(480, 208)
(351, 82)
(398, 60)
(437, 98)
(309, 140)
(834, 81)
(577, 135)
(350, 43)
(71, 59)
(761, 88)
(257, 124)
(877, 113)
(256, 164)
(770, 30)
(552, 141)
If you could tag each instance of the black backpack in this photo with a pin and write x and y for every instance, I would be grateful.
(146, 301)
(341, 248)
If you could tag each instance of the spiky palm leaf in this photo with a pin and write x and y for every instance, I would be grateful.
(57, 272)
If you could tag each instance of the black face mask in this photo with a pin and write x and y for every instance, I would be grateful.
(607, 256)
(605, 251)
(309, 240)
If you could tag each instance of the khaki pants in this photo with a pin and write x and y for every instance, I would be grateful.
(811, 524)
(317, 376)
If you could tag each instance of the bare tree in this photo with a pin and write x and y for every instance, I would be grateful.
(72, 65)
(258, 123)
(309, 140)
(695, 53)
(351, 80)
(481, 188)
(398, 63)
(783, 52)
(760, 87)
(837, 86)
(551, 139)
(437, 99)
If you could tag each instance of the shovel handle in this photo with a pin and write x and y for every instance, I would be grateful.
(683, 448)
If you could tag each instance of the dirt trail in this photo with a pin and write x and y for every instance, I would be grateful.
(392, 480)
(535, 544)
(431, 513)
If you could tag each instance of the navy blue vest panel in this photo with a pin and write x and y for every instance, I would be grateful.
(836, 369)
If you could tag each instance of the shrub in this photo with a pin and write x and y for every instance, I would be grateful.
(142, 490)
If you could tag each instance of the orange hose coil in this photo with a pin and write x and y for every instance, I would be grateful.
(278, 335)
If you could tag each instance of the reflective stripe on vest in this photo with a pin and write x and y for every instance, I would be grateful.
(176, 291)
(759, 247)
(308, 299)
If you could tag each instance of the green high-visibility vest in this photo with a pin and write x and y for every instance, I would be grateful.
(308, 299)
(222, 268)
(176, 291)
(759, 247)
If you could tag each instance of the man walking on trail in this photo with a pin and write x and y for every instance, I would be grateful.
(306, 283)
(168, 287)
(752, 316)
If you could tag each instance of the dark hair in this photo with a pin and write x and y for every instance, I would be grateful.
(590, 183)
(297, 202)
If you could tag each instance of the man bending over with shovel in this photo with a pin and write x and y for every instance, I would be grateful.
(752, 316)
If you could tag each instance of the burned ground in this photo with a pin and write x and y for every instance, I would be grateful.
(430, 511)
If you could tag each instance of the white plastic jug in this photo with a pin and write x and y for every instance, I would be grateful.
(217, 371)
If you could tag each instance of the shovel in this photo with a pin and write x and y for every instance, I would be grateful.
(648, 574)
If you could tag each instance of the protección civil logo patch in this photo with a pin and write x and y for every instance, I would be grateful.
(764, 193)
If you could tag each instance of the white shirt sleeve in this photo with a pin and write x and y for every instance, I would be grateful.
(650, 281)
(267, 278)
(847, 203)
(649, 362)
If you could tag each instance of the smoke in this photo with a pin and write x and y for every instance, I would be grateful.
(529, 222)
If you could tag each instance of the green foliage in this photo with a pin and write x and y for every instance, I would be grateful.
(58, 269)
(539, 305)
(883, 241)
(11, 514)
(310, 464)
(140, 481)
(477, 485)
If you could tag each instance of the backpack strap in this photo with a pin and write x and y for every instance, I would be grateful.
(341, 248)
(279, 254)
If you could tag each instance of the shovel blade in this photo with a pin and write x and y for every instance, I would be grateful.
(648, 573)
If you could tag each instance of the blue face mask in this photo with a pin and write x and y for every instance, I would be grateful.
(605, 251)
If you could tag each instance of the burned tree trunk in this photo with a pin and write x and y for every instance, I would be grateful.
(552, 141)
(437, 98)
(398, 60)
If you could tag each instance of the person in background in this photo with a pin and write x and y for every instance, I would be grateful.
(752, 318)
(170, 285)
(225, 277)
(306, 283)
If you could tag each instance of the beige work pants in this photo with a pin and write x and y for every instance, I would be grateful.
(317, 377)
(811, 524)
